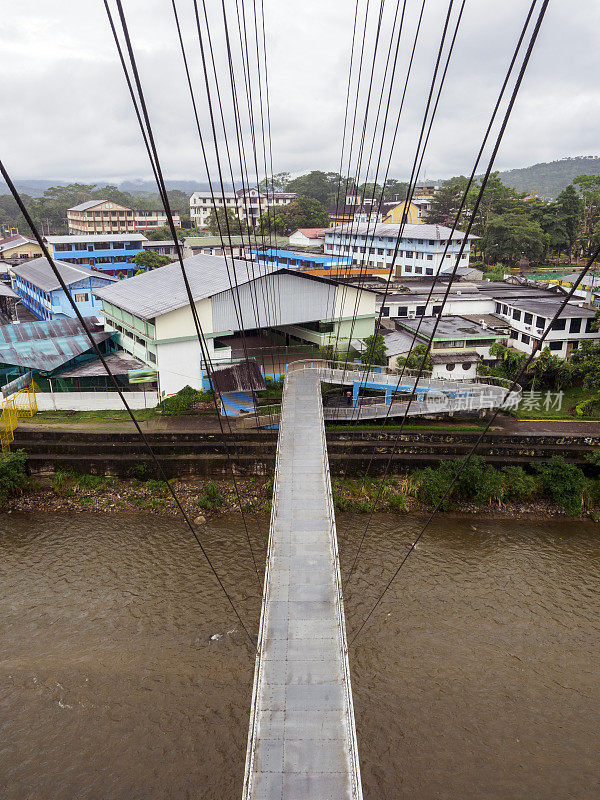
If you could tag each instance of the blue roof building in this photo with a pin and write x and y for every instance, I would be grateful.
(111, 253)
(303, 261)
(39, 290)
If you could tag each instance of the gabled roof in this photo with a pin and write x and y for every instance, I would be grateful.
(14, 241)
(86, 205)
(39, 272)
(45, 346)
(160, 291)
(310, 233)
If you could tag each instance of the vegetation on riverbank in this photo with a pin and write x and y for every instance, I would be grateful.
(549, 487)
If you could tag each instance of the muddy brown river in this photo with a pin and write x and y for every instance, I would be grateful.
(124, 674)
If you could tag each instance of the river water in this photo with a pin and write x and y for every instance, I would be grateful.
(477, 676)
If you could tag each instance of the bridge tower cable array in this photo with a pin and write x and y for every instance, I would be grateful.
(40, 240)
(453, 229)
(155, 163)
(503, 126)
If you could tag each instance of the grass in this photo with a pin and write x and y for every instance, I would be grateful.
(571, 397)
(69, 417)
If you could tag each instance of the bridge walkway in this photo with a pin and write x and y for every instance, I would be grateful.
(302, 737)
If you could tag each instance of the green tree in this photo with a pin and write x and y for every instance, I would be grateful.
(226, 222)
(304, 212)
(570, 208)
(322, 186)
(589, 190)
(376, 350)
(508, 237)
(276, 183)
(586, 362)
(414, 360)
(147, 260)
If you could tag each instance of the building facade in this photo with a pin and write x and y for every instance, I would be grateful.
(420, 252)
(20, 247)
(112, 254)
(40, 291)
(105, 216)
(247, 205)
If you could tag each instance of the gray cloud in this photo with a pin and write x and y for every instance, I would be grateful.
(67, 113)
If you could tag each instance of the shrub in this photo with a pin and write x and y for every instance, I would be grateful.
(433, 485)
(159, 488)
(13, 472)
(211, 499)
(397, 503)
(563, 482)
(517, 483)
(141, 470)
(183, 401)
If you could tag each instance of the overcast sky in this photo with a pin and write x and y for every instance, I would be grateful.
(67, 114)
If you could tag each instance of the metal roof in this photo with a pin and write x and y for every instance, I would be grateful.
(118, 363)
(162, 290)
(6, 291)
(44, 346)
(399, 342)
(243, 377)
(86, 205)
(449, 328)
(11, 242)
(97, 237)
(547, 307)
(39, 272)
(437, 232)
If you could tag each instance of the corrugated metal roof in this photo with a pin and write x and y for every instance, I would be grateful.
(11, 242)
(118, 363)
(86, 205)
(45, 346)
(162, 290)
(437, 232)
(6, 291)
(39, 272)
(243, 377)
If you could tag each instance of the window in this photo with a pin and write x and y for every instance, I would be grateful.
(466, 366)
(527, 318)
(420, 311)
(514, 335)
(556, 345)
(540, 322)
(436, 310)
(81, 298)
(575, 325)
(516, 314)
(402, 311)
(429, 271)
(589, 325)
(418, 255)
(385, 311)
(429, 257)
(559, 325)
(152, 357)
(524, 338)
(408, 269)
(431, 241)
(409, 253)
(418, 270)
(450, 367)
(497, 308)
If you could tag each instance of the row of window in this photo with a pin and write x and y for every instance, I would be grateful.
(523, 337)
(540, 322)
(93, 246)
(354, 239)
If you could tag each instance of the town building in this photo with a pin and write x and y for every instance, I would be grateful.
(236, 386)
(528, 318)
(40, 291)
(150, 313)
(106, 216)
(420, 251)
(307, 237)
(112, 254)
(17, 246)
(405, 209)
(236, 246)
(46, 348)
(248, 205)
(164, 247)
(315, 263)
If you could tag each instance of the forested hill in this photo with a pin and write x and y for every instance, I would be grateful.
(550, 178)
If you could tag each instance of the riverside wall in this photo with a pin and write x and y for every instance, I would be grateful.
(210, 454)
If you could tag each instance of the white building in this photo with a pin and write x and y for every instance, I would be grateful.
(420, 250)
(528, 318)
(152, 314)
(307, 237)
(248, 206)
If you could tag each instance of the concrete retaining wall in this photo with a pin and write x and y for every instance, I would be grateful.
(93, 401)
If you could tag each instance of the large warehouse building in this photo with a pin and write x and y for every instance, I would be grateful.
(153, 318)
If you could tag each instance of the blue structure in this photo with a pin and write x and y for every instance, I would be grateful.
(37, 286)
(304, 261)
(112, 253)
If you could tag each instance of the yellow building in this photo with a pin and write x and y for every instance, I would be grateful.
(412, 212)
(19, 247)
(100, 216)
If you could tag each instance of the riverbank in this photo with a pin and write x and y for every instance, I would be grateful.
(203, 500)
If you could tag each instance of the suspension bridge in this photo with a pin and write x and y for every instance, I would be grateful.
(302, 736)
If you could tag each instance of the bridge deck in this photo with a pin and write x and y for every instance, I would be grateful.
(302, 739)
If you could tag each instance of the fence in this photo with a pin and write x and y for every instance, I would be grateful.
(23, 403)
